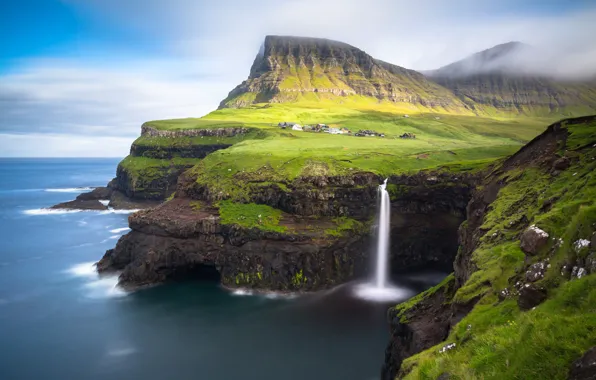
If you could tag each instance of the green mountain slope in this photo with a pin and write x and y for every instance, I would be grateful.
(522, 301)
(501, 81)
(298, 69)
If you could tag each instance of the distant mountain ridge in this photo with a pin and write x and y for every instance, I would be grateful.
(498, 80)
(514, 78)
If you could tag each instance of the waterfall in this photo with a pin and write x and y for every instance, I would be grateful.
(379, 288)
(383, 219)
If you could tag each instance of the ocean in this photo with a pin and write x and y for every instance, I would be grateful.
(59, 320)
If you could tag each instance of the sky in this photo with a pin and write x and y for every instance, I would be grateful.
(79, 77)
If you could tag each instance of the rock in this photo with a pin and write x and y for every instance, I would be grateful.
(99, 193)
(581, 244)
(536, 272)
(81, 205)
(530, 296)
(532, 239)
(584, 368)
(562, 163)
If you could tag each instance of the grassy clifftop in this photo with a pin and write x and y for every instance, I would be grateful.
(503, 337)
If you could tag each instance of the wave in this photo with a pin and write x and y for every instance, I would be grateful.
(105, 202)
(104, 287)
(97, 287)
(83, 270)
(60, 211)
(118, 230)
(70, 190)
(50, 211)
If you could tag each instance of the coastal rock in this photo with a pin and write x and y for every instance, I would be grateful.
(532, 239)
(584, 368)
(174, 240)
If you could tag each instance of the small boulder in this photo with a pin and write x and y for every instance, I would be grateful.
(536, 272)
(532, 239)
(530, 296)
(561, 164)
(584, 368)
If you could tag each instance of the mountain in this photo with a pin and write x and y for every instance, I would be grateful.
(292, 69)
(513, 78)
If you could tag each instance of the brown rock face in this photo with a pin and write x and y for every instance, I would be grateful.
(584, 368)
(173, 240)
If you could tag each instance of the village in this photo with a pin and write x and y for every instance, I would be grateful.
(324, 128)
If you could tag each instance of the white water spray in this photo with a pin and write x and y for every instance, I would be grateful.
(379, 289)
(383, 218)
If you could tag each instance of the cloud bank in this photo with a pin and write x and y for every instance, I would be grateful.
(200, 50)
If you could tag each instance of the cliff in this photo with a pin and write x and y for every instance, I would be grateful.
(520, 303)
(291, 69)
(306, 237)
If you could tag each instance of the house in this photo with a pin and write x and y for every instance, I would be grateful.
(297, 127)
(282, 125)
(307, 128)
(345, 131)
(335, 131)
(406, 115)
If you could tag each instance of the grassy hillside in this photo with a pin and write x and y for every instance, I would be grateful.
(497, 340)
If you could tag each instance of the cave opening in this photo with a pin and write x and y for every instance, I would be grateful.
(425, 230)
(197, 273)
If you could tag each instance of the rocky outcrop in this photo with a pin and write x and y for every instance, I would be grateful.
(173, 240)
(148, 131)
(171, 151)
(103, 198)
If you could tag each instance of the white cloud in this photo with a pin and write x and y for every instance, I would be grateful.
(201, 50)
(63, 145)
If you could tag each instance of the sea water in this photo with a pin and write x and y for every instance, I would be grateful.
(59, 320)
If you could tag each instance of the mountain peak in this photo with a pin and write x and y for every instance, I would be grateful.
(292, 69)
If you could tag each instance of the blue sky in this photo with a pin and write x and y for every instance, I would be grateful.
(78, 77)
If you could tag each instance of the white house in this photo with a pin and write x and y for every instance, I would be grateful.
(335, 131)
(297, 127)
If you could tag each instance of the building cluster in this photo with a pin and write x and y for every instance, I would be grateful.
(407, 135)
(368, 133)
(317, 128)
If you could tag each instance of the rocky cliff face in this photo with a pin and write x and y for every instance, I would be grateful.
(287, 67)
(507, 265)
(175, 238)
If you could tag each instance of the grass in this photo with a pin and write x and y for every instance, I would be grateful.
(496, 340)
(344, 225)
(250, 215)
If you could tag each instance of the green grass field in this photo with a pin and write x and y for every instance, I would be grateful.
(271, 154)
